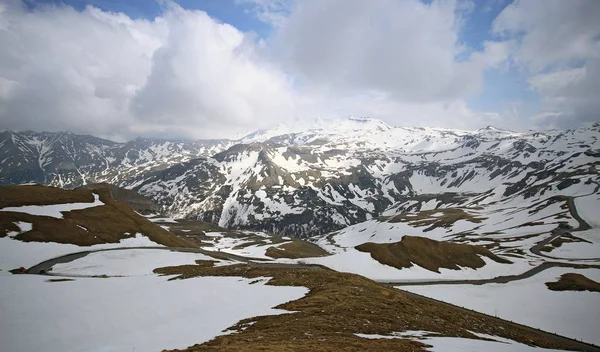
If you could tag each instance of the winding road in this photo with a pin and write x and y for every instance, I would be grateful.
(45, 268)
(560, 231)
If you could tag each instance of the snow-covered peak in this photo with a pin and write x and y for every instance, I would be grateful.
(495, 132)
(489, 128)
(319, 127)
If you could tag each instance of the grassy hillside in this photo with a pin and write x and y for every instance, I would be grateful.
(108, 223)
(338, 306)
(429, 254)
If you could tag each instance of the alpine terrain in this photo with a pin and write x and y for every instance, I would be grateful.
(504, 223)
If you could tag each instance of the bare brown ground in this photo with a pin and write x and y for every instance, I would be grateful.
(14, 196)
(59, 280)
(435, 218)
(340, 305)
(574, 282)
(296, 249)
(566, 238)
(429, 254)
(107, 223)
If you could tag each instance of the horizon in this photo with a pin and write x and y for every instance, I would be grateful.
(220, 69)
(248, 134)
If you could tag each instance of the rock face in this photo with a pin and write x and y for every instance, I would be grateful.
(317, 180)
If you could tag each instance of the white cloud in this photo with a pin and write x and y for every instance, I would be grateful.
(559, 48)
(207, 72)
(180, 75)
(273, 12)
(570, 96)
(185, 74)
(406, 48)
(554, 33)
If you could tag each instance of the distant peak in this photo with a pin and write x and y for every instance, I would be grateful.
(494, 129)
(369, 121)
(360, 119)
(490, 128)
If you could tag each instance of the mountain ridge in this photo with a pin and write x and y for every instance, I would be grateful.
(320, 179)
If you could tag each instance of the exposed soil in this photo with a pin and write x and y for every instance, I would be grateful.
(15, 196)
(574, 282)
(107, 223)
(340, 305)
(138, 202)
(59, 280)
(296, 249)
(429, 254)
(435, 218)
(253, 239)
(566, 238)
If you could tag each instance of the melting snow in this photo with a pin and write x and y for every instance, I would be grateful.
(15, 254)
(130, 262)
(530, 302)
(141, 313)
(54, 210)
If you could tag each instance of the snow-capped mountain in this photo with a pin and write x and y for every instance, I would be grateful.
(61, 158)
(328, 176)
(65, 159)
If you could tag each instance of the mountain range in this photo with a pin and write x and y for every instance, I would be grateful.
(304, 182)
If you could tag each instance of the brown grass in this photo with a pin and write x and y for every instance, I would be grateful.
(296, 249)
(340, 305)
(429, 254)
(574, 282)
(14, 196)
(251, 242)
(108, 223)
(59, 280)
(426, 218)
(567, 238)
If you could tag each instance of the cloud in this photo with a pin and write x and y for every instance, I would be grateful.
(273, 12)
(187, 75)
(409, 49)
(209, 72)
(559, 49)
(182, 74)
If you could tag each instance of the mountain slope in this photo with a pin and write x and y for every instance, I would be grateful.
(65, 159)
(47, 214)
(318, 181)
(311, 181)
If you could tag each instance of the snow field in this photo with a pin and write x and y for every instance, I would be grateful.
(54, 210)
(570, 313)
(141, 313)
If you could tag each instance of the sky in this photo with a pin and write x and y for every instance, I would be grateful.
(196, 69)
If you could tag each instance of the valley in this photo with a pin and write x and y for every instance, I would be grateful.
(365, 228)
